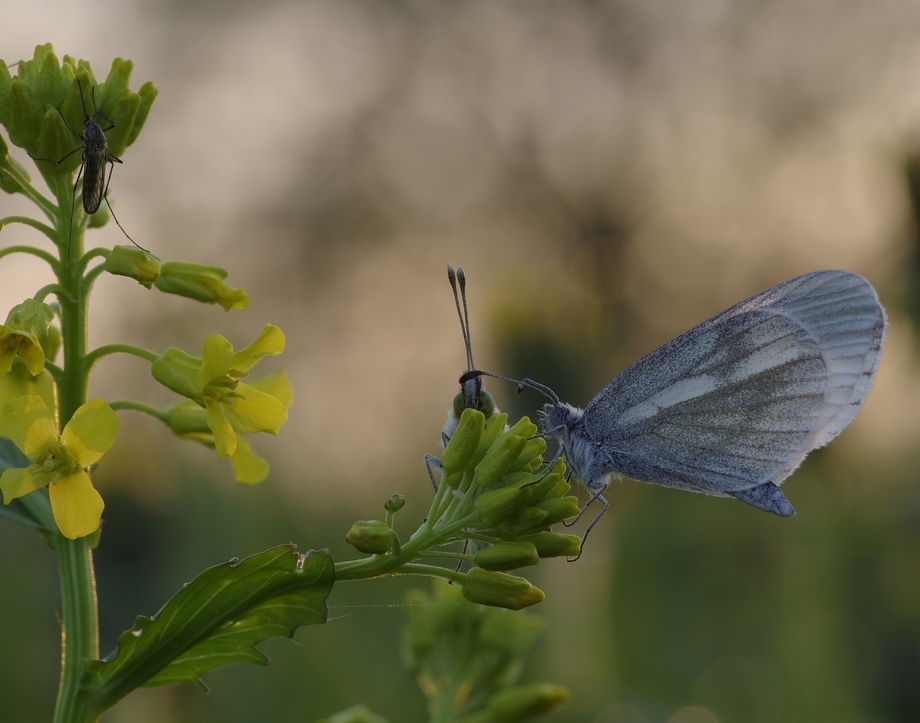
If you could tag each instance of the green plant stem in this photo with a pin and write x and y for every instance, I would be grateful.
(79, 610)
(401, 561)
(142, 407)
(44, 255)
(79, 617)
(96, 354)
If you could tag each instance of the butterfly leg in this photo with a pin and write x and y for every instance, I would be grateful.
(430, 459)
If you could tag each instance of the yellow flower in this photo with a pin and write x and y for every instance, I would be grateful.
(190, 421)
(214, 383)
(26, 326)
(60, 462)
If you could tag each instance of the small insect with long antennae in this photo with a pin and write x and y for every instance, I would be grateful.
(96, 154)
(472, 395)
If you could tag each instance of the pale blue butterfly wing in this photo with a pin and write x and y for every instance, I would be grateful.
(733, 406)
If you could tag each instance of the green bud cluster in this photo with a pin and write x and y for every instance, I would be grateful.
(503, 475)
(43, 98)
(469, 658)
(497, 486)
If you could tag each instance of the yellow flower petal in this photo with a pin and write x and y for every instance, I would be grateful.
(268, 343)
(248, 467)
(224, 436)
(20, 383)
(29, 424)
(34, 357)
(7, 355)
(257, 411)
(216, 355)
(76, 505)
(277, 385)
(19, 481)
(91, 432)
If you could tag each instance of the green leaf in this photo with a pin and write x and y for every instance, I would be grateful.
(215, 620)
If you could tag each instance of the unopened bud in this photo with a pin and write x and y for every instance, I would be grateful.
(395, 503)
(526, 701)
(559, 509)
(496, 506)
(499, 459)
(202, 283)
(500, 590)
(554, 544)
(531, 455)
(370, 536)
(134, 263)
(464, 443)
(507, 556)
(495, 425)
(528, 519)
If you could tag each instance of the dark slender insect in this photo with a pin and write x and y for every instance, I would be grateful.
(472, 394)
(96, 154)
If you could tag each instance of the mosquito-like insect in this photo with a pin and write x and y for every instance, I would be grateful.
(96, 154)
(472, 394)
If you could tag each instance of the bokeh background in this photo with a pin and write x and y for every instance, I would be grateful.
(609, 173)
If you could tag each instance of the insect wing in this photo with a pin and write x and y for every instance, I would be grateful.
(741, 399)
(95, 157)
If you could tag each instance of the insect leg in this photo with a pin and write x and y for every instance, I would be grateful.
(429, 460)
(600, 514)
(105, 195)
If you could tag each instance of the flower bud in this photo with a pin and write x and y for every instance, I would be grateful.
(559, 509)
(507, 556)
(523, 428)
(495, 425)
(100, 218)
(499, 458)
(370, 536)
(395, 503)
(495, 506)
(550, 487)
(134, 263)
(528, 519)
(554, 544)
(7, 182)
(526, 701)
(464, 443)
(531, 455)
(498, 589)
(201, 283)
(32, 316)
(51, 342)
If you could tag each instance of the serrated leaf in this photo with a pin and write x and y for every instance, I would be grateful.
(215, 620)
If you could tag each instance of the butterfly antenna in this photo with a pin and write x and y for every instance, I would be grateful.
(462, 314)
(522, 384)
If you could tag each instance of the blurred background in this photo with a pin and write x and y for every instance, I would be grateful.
(609, 174)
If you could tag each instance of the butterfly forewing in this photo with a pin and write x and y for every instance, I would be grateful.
(741, 399)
